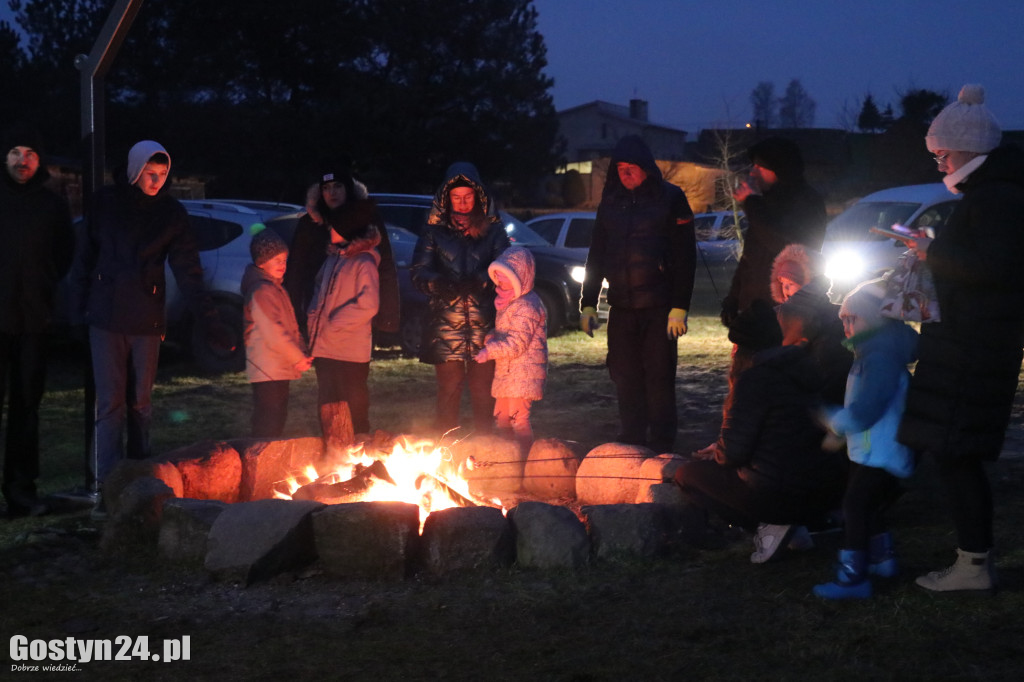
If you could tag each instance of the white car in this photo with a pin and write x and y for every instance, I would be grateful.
(853, 253)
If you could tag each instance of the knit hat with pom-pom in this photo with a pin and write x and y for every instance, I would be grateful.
(966, 125)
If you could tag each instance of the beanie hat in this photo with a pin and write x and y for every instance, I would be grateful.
(22, 135)
(265, 245)
(865, 302)
(779, 155)
(756, 328)
(336, 170)
(140, 154)
(966, 125)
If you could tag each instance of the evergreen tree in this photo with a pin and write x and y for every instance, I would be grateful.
(870, 119)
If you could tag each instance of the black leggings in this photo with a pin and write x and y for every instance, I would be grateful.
(970, 502)
(868, 490)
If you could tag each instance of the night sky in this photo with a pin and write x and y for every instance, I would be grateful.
(697, 61)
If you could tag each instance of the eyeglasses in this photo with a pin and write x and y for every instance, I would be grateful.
(940, 158)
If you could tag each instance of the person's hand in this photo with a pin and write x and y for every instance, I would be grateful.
(919, 245)
(304, 364)
(589, 321)
(743, 190)
(445, 288)
(676, 323)
(832, 442)
(482, 356)
(730, 309)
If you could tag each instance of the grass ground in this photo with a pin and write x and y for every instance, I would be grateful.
(704, 614)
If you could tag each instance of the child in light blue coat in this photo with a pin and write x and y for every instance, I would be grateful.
(876, 391)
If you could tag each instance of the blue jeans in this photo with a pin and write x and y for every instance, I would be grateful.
(125, 370)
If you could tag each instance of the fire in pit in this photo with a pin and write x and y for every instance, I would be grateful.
(420, 473)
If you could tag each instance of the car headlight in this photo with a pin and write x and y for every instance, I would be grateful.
(845, 266)
(577, 273)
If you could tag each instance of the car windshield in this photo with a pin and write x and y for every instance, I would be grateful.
(854, 222)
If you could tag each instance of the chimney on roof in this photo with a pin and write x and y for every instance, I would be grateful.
(638, 109)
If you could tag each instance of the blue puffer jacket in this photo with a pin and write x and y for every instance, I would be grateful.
(876, 392)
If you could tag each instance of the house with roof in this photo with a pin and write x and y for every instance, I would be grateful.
(591, 130)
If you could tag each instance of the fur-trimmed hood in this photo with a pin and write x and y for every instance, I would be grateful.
(795, 262)
(516, 263)
(461, 174)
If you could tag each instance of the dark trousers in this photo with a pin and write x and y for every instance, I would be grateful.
(124, 368)
(970, 502)
(269, 408)
(868, 490)
(23, 371)
(642, 364)
(340, 380)
(721, 491)
(451, 376)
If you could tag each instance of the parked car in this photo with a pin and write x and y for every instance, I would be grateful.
(853, 253)
(223, 229)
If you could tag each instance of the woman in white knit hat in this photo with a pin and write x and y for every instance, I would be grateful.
(962, 391)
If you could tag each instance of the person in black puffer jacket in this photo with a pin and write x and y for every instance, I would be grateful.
(770, 474)
(961, 394)
(644, 245)
(463, 235)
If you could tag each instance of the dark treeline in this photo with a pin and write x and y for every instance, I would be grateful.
(254, 94)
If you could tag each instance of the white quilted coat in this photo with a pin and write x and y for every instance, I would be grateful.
(519, 344)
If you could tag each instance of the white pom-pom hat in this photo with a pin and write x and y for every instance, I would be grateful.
(966, 125)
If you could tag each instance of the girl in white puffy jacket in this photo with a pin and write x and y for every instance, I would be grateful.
(518, 345)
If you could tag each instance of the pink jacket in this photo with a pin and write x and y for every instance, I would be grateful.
(518, 344)
(345, 299)
(273, 344)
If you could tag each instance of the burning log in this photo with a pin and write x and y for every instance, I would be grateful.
(332, 493)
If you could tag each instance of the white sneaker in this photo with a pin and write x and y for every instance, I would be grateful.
(767, 541)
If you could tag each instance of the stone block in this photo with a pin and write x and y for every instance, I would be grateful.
(548, 536)
(620, 531)
(367, 540)
(266, 464)
(655, 473)
(185, 528)
(210, 470)
(610, 474)
(253, 541)
(133, 520)
(550, 470)
(466, 538)
(128, 470)
(492, 466)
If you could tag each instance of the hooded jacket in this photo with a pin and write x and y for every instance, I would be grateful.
(308, 251)
(789, 212)
(966, 376)
(273, 344)
(38, 244)
(346, 296)
(875, 395)
(119, 276)
(449, 265)
(518, 345)
(643, 242)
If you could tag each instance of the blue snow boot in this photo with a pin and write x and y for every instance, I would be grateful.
(882, 560)
(851, 578)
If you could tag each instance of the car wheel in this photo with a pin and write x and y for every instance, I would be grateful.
(556, 316)
(411, 331)
(217, 360)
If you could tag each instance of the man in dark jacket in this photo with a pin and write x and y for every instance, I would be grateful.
(134, 228)
(35, 227)
(781, 209)
(961, 395)
(643, 244)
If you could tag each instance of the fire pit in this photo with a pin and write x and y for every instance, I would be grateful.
(248, 509)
